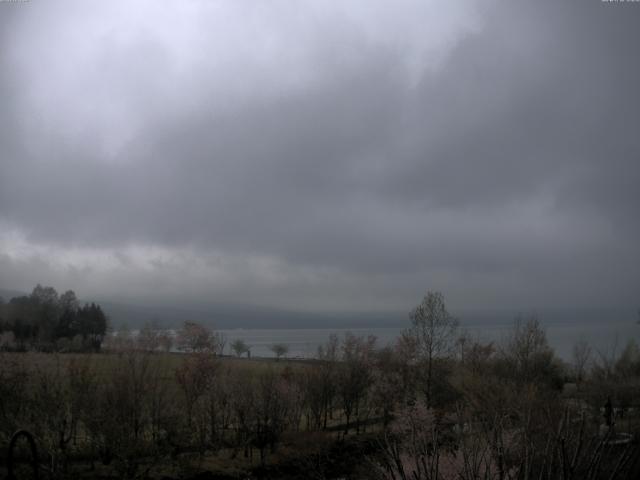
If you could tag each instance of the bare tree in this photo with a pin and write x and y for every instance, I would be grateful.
(355, 376)
(527, 354)
(270, 414)
(320, 384)
(194, 377)
(219, 404)
(219, 343)
(581, 356)
(148, 338)
(243, 392)
(412, 448)
(433, 330)
(119, 420)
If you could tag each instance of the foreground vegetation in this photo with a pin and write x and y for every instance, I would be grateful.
(436, 405)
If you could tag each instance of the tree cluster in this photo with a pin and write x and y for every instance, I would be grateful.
(46, 321)
(192, 337)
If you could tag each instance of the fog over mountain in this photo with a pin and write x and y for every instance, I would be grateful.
(322, 157)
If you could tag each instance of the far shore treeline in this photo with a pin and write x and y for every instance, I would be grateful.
(46, 321)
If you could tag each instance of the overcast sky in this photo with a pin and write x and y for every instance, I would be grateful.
(322, 155)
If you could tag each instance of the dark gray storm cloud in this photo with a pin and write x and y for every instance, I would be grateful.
(323, 157)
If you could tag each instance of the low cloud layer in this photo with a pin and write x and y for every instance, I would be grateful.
(322, 157)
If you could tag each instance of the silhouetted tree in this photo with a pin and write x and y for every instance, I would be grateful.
(355, 376)
(239, 347)
(433, 331)
(279, 350)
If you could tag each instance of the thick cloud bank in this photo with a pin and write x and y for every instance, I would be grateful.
(322, 155)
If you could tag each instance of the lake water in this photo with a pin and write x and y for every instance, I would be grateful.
(604, 337)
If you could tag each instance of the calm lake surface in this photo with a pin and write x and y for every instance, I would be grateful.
(604, 337)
